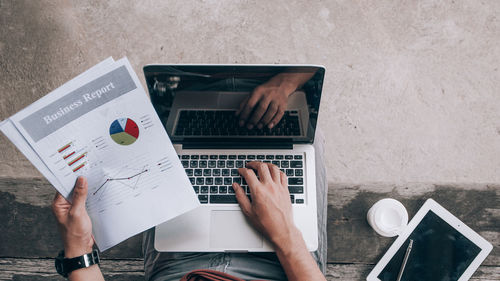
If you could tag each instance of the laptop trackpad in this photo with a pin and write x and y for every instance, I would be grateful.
(229, 230)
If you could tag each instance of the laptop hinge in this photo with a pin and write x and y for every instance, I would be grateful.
(236, 251)
(210, 144)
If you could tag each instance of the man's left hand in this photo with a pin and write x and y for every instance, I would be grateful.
(73, 221)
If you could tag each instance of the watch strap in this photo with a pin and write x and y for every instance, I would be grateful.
(66, 265)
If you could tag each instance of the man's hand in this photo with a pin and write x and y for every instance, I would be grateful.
(271, 213)
(270, 210)
(265, 106)
(73, 221)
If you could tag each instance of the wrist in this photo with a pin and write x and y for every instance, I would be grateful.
(289, 241)
(286, 85)
(77, 249)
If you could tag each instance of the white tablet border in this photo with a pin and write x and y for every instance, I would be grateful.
(431, 205)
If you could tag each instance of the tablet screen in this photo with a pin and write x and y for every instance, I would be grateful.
(439, 253)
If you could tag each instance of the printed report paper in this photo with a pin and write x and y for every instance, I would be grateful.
(101, 125)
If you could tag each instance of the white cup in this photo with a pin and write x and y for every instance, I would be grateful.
(388, 217)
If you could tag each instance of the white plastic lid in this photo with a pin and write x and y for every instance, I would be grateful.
(388, 217)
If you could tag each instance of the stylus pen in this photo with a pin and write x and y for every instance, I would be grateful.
(405, 260)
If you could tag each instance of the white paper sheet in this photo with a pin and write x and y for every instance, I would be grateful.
(102, 125)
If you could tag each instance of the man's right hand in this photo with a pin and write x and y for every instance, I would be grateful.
(270, 210)
(271, 213)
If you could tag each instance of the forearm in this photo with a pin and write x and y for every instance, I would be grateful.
(296, 260)
(90, 273)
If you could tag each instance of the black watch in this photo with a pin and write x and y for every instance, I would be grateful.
(64, 265)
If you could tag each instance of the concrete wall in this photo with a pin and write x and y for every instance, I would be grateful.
(412, 87)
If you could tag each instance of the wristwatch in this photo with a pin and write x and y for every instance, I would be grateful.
(64, 265)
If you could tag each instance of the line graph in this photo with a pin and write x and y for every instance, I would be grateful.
(124, 181)
(119, 179)
(125, 177)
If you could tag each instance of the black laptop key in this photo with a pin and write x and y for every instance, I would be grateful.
(232, 156)
(242, 157)
(195, 156)
(296, 164)
(237, 180)
(234, 172)
(185, 157)
(221, 164)
(214, 189)
(204, 189)
(289, 172)
(239, 164)
(192, 180)
(185, 164)
(193, 164)
(251, 157)
(292, 198)
(295, 181)
(228, 181)
(288, 157)
(299, 173)
(299, 201)
(203, 199)
(189, 172)
(222, 189)
(200, 181)
(297, 157)
(216, 172)
(222, 156)
(196, 188)
(277, 163)
(225, 172)
(218, 181)
(279, 157)
(285, 164)
(295, 189)
(230, 190)
(198, 172)
(212, 163)
(203, 156)
(209, 180)
(223, 199)
(269, 157)
(207, 172)
(212, 157)
(260, 157)
(202, 164)
(230, 164)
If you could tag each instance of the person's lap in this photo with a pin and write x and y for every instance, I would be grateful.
(172, 266)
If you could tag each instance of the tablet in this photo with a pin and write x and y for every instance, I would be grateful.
(444, 248)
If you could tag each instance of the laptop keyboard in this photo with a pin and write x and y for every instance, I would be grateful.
(225, 123)
(212, 176)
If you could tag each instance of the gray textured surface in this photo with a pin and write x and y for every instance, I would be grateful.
(412, 87)
(353, 247)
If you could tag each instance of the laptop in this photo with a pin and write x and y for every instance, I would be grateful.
(198, 106)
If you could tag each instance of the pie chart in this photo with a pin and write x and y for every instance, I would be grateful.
(124, 131)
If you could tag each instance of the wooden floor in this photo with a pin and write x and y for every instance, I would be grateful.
(29, 239)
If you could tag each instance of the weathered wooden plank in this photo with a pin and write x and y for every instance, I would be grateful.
(28, 228)
(351, 239)
(43, 269)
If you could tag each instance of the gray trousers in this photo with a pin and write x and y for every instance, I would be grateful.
(172, 266)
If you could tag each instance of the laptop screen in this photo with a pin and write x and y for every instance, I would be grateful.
(273, 103)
